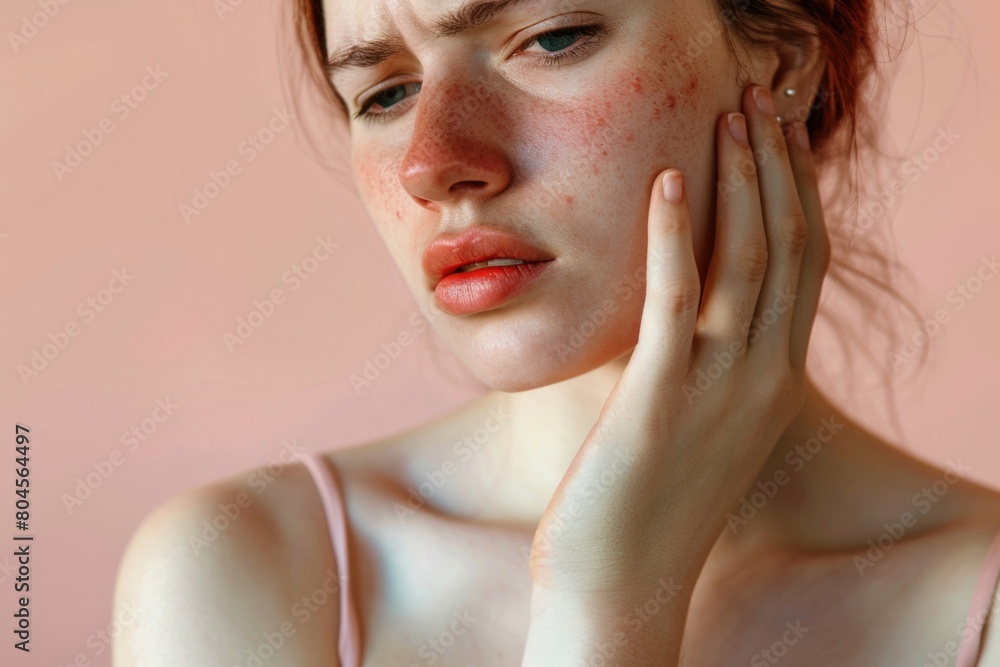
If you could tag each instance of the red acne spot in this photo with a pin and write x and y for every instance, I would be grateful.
(671, 101)
(636, 84)
(629, 136)
(604, 153)
(569, 199)
(691, 86)
(596, 170)
(656, 111)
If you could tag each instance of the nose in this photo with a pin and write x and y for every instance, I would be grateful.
(456, 149)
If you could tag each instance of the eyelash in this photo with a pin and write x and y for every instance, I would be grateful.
(593, 33)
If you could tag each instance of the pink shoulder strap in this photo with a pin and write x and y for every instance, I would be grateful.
(982, 600)
(336, 515)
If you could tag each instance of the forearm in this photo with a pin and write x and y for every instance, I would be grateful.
(642, 629)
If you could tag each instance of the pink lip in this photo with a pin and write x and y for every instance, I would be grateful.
(482, 289)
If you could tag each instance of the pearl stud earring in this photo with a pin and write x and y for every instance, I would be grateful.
(789, 92)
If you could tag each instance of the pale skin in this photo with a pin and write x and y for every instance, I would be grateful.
(573, 159)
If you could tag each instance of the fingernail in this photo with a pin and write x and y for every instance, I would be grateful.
(763, 99)
(802, 136)
(673, 186)
(738, 127)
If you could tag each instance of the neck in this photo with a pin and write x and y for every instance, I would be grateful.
(549, 424)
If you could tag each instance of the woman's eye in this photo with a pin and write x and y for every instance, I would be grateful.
(556, 44)
(385, 99)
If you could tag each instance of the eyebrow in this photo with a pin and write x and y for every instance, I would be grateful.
(371, 53)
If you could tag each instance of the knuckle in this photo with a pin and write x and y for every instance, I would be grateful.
(794, 233)
(740, 171)
(772, 147)
(787, 388)
(675, 225)
(752, 262)
(680, 295)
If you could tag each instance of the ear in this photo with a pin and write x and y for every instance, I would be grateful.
(796, 79)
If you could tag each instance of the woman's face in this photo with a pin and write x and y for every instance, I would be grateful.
(478, 128)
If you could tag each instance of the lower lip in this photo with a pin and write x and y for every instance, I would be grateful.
(484, 289)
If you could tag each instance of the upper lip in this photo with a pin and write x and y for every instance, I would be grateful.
(451, 251)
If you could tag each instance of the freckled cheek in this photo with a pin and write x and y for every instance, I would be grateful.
(387, 203)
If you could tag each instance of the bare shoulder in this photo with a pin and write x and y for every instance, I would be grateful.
(981, 512)
(227, 573)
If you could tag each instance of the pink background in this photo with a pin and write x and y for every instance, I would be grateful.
(161, 336)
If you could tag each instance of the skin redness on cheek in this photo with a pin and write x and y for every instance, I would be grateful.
(629, 118)
(655, 105)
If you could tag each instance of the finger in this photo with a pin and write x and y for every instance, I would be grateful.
(739, 258)
(816, 259)
(784, 223)
(673, 285)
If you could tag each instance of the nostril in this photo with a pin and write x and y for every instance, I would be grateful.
(467, 185)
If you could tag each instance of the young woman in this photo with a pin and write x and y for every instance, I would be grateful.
(611, 213)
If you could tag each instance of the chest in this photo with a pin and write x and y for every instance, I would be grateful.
(451, 595)
(824, 612)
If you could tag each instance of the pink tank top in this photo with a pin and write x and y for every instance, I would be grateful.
(350, 632)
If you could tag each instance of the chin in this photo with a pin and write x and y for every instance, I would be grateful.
(515, 353)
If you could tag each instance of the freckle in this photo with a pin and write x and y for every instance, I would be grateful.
(636, 84)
